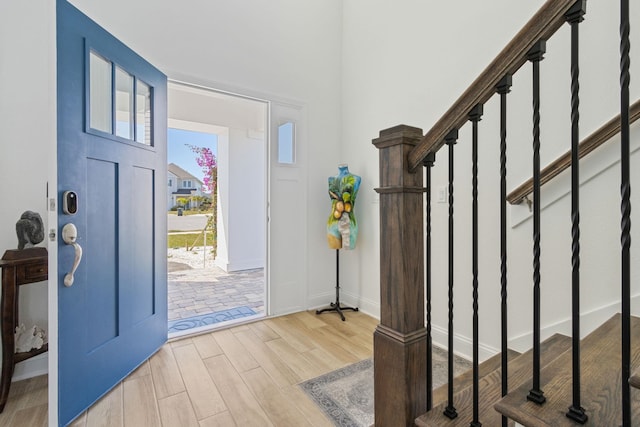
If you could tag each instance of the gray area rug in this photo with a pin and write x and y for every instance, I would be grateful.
(346, 394)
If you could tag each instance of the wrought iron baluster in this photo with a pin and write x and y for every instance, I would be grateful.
(428, 163)
(574, 16)
(535, 55)
(475, 116)
(625, 192)
(503, 88)
(450, 410)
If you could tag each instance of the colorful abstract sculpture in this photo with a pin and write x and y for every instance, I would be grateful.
(342, 227)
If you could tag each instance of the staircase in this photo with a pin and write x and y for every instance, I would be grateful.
(562, 380)
(601, 384)
(490, 386)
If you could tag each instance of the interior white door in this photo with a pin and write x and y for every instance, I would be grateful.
(287, 210)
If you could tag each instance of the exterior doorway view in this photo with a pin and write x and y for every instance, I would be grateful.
(216, 207)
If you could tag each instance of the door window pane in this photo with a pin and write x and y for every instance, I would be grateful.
(286, 143)
(124, 104)
(143, 113)
(100, 107)
(131, 116)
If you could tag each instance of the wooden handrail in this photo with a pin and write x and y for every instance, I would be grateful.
(590, 143)
(541, 26)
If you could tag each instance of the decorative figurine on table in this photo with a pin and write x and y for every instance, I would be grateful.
(342, 227)
(29, 229)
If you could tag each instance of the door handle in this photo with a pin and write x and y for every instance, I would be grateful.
(69, 236)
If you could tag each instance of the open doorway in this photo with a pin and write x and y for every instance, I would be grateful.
(217, 205)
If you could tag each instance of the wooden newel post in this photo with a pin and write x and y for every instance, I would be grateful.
(400, 340)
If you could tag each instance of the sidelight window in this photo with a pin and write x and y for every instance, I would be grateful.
(286, 143)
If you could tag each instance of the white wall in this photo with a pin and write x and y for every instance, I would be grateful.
(358, 66)
(222, 211)
(284, 50)
(27, 120)
(257, 48)
(407, 62)
(241, 200)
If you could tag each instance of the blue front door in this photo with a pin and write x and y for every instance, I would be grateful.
(112, 174)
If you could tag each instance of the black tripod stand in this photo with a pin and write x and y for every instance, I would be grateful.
(335, 306)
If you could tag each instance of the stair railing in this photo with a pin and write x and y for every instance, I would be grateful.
(403, 150)
(598, 138)
(535, 55)
(575, 15)
(625, 193)
(428, 164)
(474, 117)
(541, 26)
(503, 88)
(450, 410)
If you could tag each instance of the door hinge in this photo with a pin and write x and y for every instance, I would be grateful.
(52, 234)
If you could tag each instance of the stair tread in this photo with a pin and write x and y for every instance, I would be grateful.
(600, 383)
(634, 381)
(491, 387)
(463, 380)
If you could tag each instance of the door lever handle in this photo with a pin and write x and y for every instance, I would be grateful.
(69, 236)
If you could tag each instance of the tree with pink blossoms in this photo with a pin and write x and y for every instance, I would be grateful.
(207, 161)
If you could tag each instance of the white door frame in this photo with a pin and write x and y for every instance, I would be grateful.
(218, 129)
(278, 108)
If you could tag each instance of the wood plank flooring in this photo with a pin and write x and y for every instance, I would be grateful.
(27, 403)
(242, 376)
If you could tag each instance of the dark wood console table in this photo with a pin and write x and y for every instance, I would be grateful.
(18, 268)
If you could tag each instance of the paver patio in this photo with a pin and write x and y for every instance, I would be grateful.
(199, 291)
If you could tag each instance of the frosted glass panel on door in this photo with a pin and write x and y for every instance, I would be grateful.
(286, 143)
(143, 113)
(100, 106)
(124, 104)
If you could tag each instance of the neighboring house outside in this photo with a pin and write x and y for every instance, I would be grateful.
(181, 184)
(172, 187)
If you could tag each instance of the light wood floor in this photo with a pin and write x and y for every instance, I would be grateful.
(243, 376)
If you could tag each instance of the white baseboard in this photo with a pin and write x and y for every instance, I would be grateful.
(369, 307)
(462, 346)
(30, 368)
(320, 300)
(286, 310)
(589, 321)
